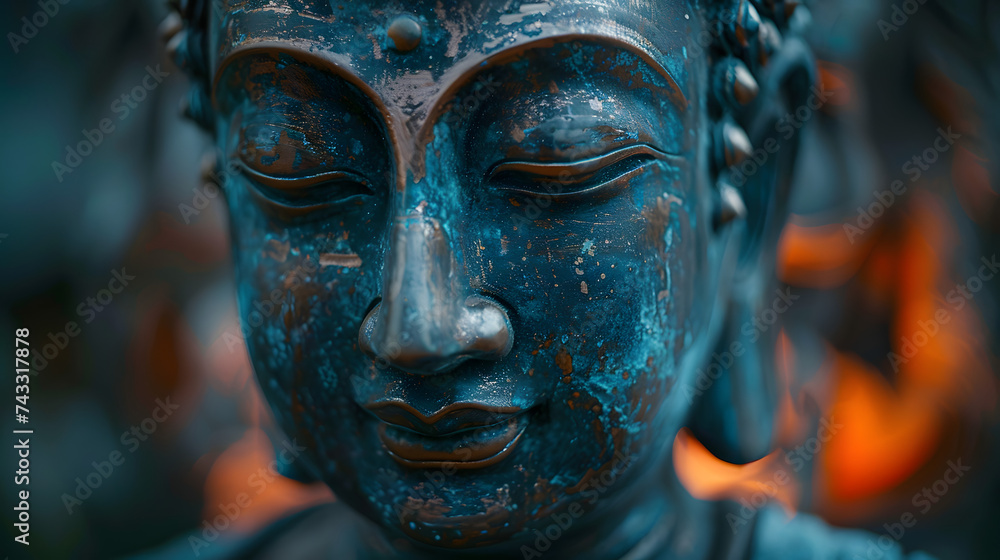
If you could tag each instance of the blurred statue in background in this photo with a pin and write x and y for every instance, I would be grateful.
(487, 251)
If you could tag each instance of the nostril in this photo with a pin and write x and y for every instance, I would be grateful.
(371, 306)
(367, 330)
(509, 310)
(491, 334)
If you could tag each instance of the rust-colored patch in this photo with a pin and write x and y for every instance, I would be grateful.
(277, 250)
(564, 361)
(658, 219)
(343, 260)
(548, 341)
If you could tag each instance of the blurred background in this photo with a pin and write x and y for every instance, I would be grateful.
(147, 420)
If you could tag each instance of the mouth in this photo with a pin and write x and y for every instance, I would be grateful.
(468, 449)
(459, 436)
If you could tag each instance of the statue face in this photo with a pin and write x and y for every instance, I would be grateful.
(473, 259)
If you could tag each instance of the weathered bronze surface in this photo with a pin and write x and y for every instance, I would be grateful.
(504, 238)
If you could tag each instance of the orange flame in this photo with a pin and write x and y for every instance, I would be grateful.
(243, 477)
(244, 474)
(707, 477)
(898, 414)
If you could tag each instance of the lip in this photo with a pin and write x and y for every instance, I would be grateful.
(459, 436)
(468, 449)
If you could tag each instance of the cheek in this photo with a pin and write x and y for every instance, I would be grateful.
(303, 288)
(598, 281)
(602, 295)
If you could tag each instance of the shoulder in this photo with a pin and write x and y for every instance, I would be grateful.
(807, 537)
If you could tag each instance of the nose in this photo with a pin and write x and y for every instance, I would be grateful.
(428, 322)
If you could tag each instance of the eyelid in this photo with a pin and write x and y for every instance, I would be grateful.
(301, 183)
(576, 168)
(298, 197)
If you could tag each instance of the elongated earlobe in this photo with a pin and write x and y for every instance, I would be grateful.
(762, 71)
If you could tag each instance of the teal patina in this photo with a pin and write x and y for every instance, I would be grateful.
(482, 249)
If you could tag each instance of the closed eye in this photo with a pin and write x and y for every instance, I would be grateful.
(309, 192)
(566, 180)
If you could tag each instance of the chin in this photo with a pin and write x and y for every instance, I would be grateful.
(506, 506)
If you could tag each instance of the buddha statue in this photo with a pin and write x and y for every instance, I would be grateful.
(485, 252)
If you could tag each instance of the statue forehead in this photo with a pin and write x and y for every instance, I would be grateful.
(454, 38)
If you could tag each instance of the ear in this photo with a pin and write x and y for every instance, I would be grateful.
(763, 81)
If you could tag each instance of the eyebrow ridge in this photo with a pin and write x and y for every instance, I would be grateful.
(467, 76)
(302, 56)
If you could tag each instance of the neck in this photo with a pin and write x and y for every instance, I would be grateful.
(638, 525)
(635, 526)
